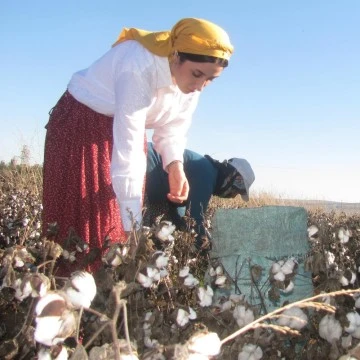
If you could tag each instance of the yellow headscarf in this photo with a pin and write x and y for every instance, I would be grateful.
(190, 35)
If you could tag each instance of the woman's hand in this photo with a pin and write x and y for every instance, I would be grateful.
(178, 183)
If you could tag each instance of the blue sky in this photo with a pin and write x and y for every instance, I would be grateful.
(289, 101)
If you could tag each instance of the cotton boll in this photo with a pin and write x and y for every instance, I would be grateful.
(354, 327)
(312, 231)
(220, 281)
(184, 271)
(81, 289)
(242, 315)
(250, 352)
(275, 268)
(280, 276)
(161, 260)
(344, 235)
(205, 343)
(289, 288)
(190, 281)
(294, 318)
(144, 280)
(192, 314)
(212, 271)
(288, 267)
(153, 273)
(205, 296)
(166, 229)
(54, 321)
(182, 317)
(330, 328)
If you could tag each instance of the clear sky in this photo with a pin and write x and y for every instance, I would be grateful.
(289, 102)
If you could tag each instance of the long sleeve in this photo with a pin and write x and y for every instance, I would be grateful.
(133, 95)
(170, 140)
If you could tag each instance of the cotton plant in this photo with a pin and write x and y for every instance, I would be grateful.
(55, 320)
(250, 352)
(33, 284)
(330, 329)
(80, 289)
(293, 318)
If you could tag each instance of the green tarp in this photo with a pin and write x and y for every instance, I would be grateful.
(261, 236)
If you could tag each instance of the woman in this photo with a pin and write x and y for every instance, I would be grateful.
(206, 176)
(95, 150)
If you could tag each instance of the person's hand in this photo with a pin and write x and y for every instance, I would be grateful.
(178, 183)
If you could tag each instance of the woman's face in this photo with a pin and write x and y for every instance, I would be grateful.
(194, 76)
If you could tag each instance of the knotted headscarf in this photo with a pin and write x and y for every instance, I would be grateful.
(189, 35)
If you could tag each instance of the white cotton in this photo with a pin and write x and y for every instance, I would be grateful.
(184, 271)
(144, 280)
(250, 352)
(47, 330)
(205, 296)
(357, 303)
(192, 313)
(182, 317)
(354, 324)
(280, 276)
(312, 230)
(220, 281)
(344, 281)
(344, 235)
(294, 318)
(288, 267)
(242, 315)
(289, 288)
(207, 344)
(166, 230)
(81, 289)
(161, 261)
(190, 281)
(275, 268)
(212, 271)
(153, 273)
(219, 270)
(330, 328)
(22, 290)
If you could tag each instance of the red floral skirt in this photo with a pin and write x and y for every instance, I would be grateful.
(77, 189)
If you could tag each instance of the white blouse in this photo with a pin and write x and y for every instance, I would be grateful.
(135, 87)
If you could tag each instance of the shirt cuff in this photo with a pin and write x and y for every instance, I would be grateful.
(135, 207)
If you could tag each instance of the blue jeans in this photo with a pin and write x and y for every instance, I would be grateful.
(201, 175)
